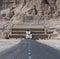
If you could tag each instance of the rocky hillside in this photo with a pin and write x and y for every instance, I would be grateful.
(29, 10)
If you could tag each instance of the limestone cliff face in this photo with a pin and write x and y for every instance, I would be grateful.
(41, 9)
(34, 9)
